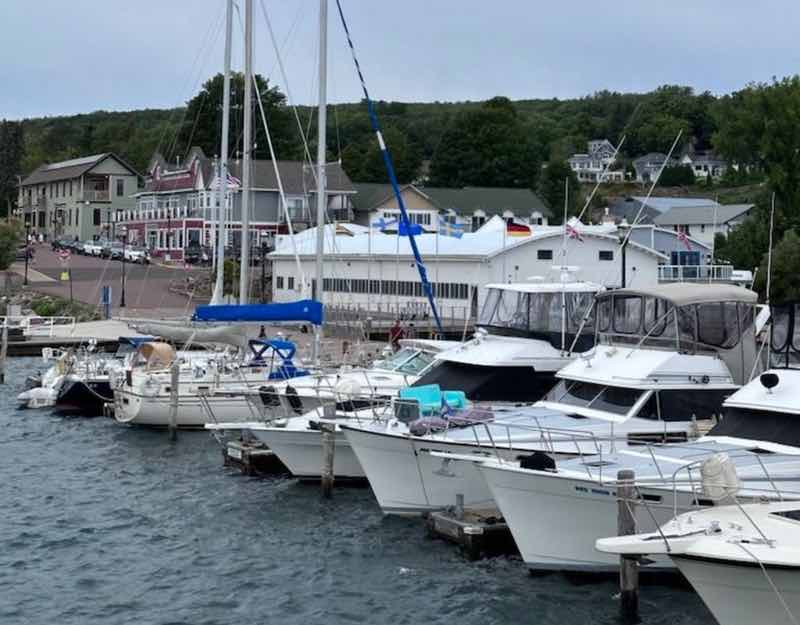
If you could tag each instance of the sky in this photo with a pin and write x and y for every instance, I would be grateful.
(60, 57)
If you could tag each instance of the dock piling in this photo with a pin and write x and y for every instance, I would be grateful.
(174, 385)
(328, 449)
(628, 565)
(3, 351)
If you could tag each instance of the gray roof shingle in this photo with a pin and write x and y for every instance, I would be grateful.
(67, 170)
(688, 215)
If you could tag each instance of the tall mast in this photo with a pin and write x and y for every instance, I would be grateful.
(321, 152)
(222, 172)
(244, 278)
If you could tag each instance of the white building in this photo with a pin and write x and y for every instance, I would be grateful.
(377, 271)
(590, 166)
(704, 164)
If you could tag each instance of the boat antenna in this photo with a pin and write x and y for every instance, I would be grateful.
(387, 161)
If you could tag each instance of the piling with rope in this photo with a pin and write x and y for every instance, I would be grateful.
(328, 430)
(174, 386)
(628, 565)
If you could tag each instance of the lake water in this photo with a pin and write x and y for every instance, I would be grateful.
(108, 524)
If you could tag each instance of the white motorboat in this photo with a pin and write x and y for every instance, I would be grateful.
(649, 379)
(356, 394)
(557, 515)
(743, 560)
(525, 333)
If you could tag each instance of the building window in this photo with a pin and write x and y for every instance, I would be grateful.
(702, 227)
(96, 218)
(544, 254)
(605, 255)
(279, 282)
(290, 283)
(70, 187)
(120, 187)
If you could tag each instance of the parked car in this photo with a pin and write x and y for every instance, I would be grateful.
(135, 254)
(24, 251)
(112, 250)
(197, 255)
(62, 243)
(76, 246)
(93, 248)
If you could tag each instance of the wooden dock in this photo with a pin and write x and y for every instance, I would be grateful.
(252, 458)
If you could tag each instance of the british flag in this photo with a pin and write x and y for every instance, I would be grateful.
(684, 238)
(572, 233)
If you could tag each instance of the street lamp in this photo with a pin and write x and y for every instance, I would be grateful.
(27, 249)
(124, 230)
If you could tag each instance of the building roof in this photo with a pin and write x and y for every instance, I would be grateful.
(650, 158)
(489, 240)
(73, 168)
(688, 215)
(491, 200)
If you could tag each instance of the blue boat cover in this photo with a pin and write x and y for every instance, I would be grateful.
(136, 340)
(308, 310)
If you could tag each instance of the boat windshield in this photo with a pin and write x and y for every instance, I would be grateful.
(614, 399)
(761, 425)
(406, 360)
(633, 319)
(785, 336)
(539, 315)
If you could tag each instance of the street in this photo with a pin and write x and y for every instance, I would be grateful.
(146, 286)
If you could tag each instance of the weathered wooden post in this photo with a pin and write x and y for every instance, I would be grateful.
(628, 565)
(3, 351)
(328, 448)
(174, 386)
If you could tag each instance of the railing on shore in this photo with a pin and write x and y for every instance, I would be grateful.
(33, 325)
(695, 273)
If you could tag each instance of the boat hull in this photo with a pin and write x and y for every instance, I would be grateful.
(301, 452)
(740, 593)
(556, 521)
(84, 398)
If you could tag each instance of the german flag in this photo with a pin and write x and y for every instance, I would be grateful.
(517, 230)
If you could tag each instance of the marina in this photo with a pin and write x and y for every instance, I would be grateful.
(398, 362)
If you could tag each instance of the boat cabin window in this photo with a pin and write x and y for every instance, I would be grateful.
(406, 360)
(539, 315)
(683, 405)
(761, 425)
(631, 319)
(614, 399)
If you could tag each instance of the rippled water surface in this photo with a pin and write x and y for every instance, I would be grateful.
(107, 524)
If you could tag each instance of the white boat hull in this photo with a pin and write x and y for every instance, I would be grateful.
(742, 594)
(301, 452)
(409, 482)
(556, 521)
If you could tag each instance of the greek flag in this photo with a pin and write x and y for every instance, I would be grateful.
(383, 225)
(449, 229)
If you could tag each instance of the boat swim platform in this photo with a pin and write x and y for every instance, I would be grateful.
(478, 532)
(252, 459)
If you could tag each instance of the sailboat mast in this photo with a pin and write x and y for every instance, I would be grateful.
(247, 145)
(222, 173)
(321, 154)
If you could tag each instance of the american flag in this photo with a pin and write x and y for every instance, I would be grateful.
(572, 233)
(682, 237)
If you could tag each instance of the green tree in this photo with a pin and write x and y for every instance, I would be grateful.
(12, 151)
(11, 236)
(677, 176)
(552, 190)
(202, 123)
(406, 159)
(785, 279)
(487, 147)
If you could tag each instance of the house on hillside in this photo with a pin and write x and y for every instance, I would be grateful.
(468, 206)
(648, 166)
(644, 210)
(705, 164)
(703, 222)
(179, 204)
(79, 198)
(590, 166)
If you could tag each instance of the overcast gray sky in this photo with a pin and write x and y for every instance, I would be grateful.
(64, 57)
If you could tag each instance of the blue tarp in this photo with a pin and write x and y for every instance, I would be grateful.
(307, 310)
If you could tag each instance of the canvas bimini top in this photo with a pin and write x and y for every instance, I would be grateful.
(686, 293)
